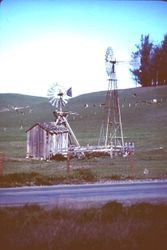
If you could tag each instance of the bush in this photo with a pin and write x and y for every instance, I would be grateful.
(18, 179)
(84, 174)
(112, 210)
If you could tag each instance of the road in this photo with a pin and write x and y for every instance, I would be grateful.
(125, 192)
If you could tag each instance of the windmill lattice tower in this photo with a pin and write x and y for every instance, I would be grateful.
(56, 94)
(111, 134)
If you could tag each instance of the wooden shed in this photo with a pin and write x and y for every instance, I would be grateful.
(46, 139)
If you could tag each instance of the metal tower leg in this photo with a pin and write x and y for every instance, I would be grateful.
(112, 127)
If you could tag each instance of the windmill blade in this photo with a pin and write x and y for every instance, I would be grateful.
(51, 99)
(55, 103)
(66, 101)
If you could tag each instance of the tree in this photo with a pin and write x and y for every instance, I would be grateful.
(162, 74)
(143, 55)
(149, 62)
(155, 65)
(159, 63)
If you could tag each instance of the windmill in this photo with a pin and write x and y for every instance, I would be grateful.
(58, 95)
(111, 133)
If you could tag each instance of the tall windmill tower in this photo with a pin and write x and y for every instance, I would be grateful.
(111, 134)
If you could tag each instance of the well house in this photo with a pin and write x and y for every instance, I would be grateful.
(46, 139)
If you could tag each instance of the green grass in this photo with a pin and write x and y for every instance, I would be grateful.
(111, 226)
(20, 172)
(143, 123)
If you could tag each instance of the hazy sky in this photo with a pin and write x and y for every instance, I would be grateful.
(48, 41)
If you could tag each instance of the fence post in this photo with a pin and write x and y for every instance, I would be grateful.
(1, 163)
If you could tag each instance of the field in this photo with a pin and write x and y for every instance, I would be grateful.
(112, 226)
(144, 119)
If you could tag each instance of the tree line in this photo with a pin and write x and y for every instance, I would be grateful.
(149, 62)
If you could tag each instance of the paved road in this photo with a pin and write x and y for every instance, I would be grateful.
(126, 192)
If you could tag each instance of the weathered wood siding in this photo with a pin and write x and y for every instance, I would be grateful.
(58, 142)
(36, 142)
(43, 144)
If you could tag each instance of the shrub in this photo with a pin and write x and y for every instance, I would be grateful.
(112, 210)
(84, 174)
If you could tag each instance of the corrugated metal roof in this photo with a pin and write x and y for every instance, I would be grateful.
(50, 127)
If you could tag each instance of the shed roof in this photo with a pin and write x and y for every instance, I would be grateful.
(50, 127)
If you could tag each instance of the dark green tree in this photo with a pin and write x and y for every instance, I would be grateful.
(149, 62)
(155, 65)
(162, 72)
(159, 63)
(141, 62)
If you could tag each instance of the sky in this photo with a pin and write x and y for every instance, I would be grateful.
(51, 41)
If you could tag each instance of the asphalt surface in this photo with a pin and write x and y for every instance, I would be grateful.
(79, 195)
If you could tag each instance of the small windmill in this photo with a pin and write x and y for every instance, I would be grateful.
(111, 134)
(58, 95)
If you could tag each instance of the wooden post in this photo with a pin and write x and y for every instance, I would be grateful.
(1, 163)
(111, 153)
(132, 164)
(68, 163)
(70, 154)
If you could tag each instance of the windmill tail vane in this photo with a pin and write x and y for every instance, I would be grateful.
(69, 92)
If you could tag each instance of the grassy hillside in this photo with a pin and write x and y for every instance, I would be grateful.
(30, 110)
(144, 122)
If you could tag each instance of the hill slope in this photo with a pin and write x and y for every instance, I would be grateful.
(144, 116)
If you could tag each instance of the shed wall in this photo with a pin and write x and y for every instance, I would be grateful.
(42, 144)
